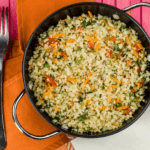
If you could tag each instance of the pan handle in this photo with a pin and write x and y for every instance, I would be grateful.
(21, 128)
(136, 5)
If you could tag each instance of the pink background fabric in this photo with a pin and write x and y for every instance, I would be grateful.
(13, 31)
(140, 14)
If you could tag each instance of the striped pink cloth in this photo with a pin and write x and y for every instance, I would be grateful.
(141, 14)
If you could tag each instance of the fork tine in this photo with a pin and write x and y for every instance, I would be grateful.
(6, 22)
(2, 21)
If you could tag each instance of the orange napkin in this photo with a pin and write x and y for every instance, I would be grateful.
(30, 14)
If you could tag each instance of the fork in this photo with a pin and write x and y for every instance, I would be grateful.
(4, 37)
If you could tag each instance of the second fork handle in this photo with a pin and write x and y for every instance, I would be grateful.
(2, 131)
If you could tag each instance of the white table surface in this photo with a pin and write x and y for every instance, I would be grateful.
(135, 137)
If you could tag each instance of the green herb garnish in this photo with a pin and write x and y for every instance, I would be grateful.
(79, 48)
(103, 86)
(118, 105)
(138, 63)
(69, 67)
(122, 27)
(84, 24)
(132, 96)
(88, 129)
(116, 47)
(93, 22)
(46, 65)
(60, 50)
(82, 118)
(65, 23)
(91, 91)
(81, 99)
(78, 61)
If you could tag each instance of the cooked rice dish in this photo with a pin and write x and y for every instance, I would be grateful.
(89, 73)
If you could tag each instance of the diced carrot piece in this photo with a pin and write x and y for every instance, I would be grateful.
(51, 80)
(113, 39)
(115, 80)
(46, 87)
(94, 35)
(133, 69)
(130, 62)
(53, 45)
(121, 41)
(102, 121)
(89, 38)
(118, 99)
(127, 111)
(108, 90)
(59, 75)
(56, 108)
(135, 53)
(128, 41)
(122, 107)
(88, 101)
(139, 69)
(111, 28)
(104, 20)
(72, 79)
(84, 104)
(64, 20)
(53, 41)
(58, 35)
(92, 88)
(109, 98)
(72, 103)
(54, 61)
(86, 81)
(90, 14)
(80, 17)
(97, 46)
(46, 94)
(108, 37)
(51, 89)
(104, 107)
(54, 52)
(64, 55)
(90, 74)
(80, 29)
(70, 40)
(139, 85)
(140, 46)
(47, 50)
(113, 86)
(65, 45)
(117, 125)
(91, 44)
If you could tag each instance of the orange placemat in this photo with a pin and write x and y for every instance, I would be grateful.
(30, 13)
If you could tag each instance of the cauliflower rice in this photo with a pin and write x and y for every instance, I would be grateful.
(89, 73)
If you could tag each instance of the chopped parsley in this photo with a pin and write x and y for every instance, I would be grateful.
(132, 96)
(88, 129)
(103, 86)
(81, 99)
(46, 65)
(116, 47)
(93, 22)
(65, 23)
(84, 24)
(69, 67)
(78, 61)
(122, 27)
(118, 105)
(82, 118)
(60, 50)
(138, 63)
(78, 49)
(91, 91)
